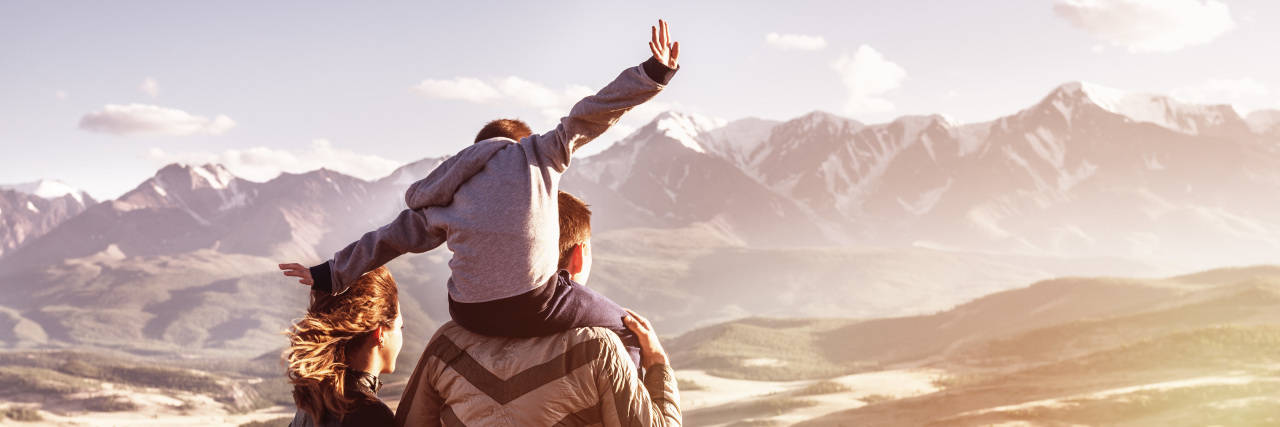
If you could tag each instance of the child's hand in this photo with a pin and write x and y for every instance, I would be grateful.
(663, 49)
(297, 270)
(651, 352)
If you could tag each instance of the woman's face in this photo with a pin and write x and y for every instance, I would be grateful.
(391, 344)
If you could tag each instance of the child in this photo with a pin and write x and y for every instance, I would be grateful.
(495, 205)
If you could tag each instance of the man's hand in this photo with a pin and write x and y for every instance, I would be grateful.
(297, 270)
(651, 352)
(663, 49)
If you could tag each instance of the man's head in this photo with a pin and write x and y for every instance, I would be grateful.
(575, 237)
(509, 128)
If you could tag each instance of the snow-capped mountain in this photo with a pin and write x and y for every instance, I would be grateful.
(664, 175)
(29, 210)
(1086, 171)
(187, 208)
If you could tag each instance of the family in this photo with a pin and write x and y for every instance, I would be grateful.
(529, 344)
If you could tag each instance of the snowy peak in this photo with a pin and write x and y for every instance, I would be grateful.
(50, 189)
(686, 128)
(822, 118)
(200, 190)
(191, 178)
(1163, 111)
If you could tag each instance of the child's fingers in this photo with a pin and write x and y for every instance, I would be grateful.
(666, 37)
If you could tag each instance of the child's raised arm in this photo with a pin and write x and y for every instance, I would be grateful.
(594, 114)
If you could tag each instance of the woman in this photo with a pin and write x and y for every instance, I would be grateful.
(338, 349)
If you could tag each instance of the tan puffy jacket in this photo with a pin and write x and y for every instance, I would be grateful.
(582, 377)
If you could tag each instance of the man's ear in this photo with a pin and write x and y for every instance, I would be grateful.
(575, 259)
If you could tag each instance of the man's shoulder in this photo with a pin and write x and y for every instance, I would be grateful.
(458, 334)
(453, 340)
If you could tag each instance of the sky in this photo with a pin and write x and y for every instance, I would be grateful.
(100, 95)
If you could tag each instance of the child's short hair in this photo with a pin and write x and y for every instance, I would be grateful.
(510, 128)
(575, 225)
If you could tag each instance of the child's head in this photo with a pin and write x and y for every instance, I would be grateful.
(575, 237)
(509, 128)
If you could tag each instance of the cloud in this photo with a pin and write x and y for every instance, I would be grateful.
(795, 41)
(461, 88)
(62, 94)
(1149, 25)
(151, 87)
(552, 104)
(262, 163)
(1221, 91)
(867, 75)
(151, 120)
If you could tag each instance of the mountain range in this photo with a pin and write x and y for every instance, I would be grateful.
(697, 220)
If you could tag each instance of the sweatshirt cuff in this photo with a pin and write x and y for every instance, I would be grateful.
(322, 275)
(658, 71)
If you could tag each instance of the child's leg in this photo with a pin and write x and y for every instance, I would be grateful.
(553, 308)
(574, 306)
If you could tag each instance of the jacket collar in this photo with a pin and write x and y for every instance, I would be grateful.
(364, 380)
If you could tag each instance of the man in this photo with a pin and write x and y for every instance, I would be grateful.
(575, 378)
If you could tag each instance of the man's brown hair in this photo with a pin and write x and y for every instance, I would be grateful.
(575, 225)
(510, 128)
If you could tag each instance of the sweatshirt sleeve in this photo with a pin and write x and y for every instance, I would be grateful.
(627, 401)
(594, 114)
(410, 232)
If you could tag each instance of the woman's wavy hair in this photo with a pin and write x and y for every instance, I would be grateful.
(334, 326)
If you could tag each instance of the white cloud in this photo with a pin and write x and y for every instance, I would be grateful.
(866, 76)
(62, 94)
(795, 41)
(1149, 25)
(151, 120)
(552, 104)
(461, 88)
(262, 163)
(151, 87)
(1221, 91)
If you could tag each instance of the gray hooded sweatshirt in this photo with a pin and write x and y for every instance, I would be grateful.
(494, 203)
